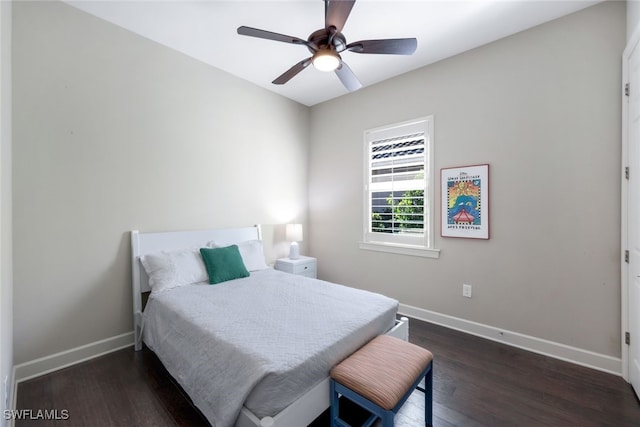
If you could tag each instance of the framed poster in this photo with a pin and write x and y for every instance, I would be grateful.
(465, 202)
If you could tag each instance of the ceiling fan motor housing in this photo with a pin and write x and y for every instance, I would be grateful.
(320, 40)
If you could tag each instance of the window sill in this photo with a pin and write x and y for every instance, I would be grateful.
(402, 250)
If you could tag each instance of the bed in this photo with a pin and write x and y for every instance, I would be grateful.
(255, 350)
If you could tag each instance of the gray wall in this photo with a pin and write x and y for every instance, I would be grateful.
(543, 108)
(633, 16)
(111, 133)
(6, 280)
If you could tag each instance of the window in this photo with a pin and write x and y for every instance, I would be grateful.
(399, 188)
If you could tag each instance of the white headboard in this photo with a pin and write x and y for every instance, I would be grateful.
(146, 243)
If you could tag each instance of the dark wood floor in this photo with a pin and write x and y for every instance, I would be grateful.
(476, 383)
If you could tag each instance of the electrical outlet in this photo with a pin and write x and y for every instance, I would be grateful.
(466, 291)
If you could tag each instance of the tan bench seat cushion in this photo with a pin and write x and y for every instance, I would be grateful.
(383, 370)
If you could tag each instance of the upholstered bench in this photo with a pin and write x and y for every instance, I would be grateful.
(380, 377)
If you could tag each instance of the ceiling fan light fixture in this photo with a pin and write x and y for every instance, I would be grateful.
(326, 60)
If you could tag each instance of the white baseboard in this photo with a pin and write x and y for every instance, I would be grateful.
(44, 365)
(601, 362)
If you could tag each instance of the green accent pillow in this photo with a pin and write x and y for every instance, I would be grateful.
(223, 264)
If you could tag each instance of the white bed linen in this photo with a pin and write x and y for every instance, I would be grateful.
(261, 341)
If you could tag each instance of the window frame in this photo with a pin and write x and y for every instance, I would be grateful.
(396, 243)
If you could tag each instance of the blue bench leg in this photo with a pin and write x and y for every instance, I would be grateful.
(387, 419)
(334, 403)
(428, 397)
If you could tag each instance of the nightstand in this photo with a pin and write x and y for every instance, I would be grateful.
(304, 266)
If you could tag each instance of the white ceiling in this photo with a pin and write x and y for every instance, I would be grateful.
(206, 30)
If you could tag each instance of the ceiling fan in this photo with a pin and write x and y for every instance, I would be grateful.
(327, 43)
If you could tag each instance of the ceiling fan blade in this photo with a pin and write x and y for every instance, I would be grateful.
(387, 46)
(337, 12)
(348, 79)
(262, 34)
(292, 72)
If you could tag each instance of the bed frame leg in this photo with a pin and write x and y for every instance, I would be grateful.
(137, 330)
(405, 331)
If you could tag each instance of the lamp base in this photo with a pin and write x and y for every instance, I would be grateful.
(294, 251)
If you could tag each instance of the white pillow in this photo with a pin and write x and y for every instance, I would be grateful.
(251, 253)
(171, 269)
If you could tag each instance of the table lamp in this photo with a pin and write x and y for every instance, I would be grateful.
(294, 235)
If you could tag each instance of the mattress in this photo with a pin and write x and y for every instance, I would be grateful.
(261, 341)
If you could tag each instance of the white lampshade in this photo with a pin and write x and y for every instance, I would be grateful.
(294, 232)
(294, 235)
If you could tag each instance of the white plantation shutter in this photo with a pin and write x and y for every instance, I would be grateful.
(398, 184)
(397, 167)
